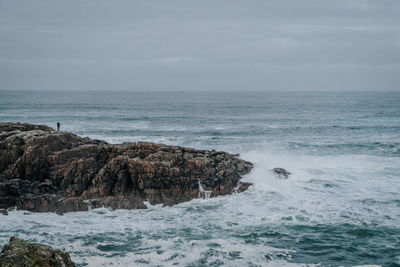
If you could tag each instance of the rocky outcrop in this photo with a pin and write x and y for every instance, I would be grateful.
(46, 170)
(21, 253)
(281, 173)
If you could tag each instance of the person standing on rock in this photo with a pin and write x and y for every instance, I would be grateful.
(58, 125)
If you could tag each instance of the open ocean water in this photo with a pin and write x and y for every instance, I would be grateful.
(341, 206)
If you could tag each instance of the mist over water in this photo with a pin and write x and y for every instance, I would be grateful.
(341, 205)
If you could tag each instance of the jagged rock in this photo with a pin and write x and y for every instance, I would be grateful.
(46, 170)
(282, 173)
(3, 211)
(21, 253)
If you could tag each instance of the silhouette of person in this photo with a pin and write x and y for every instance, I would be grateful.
(58, 126)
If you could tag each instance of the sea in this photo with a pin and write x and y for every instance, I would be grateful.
(340, 206)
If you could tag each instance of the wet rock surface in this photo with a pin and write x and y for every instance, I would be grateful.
(46, 170)
(281, 173)
(21, 253)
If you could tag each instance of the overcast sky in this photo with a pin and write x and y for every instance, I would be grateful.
(200, 45)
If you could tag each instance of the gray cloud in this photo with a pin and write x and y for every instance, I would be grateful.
(200, 45)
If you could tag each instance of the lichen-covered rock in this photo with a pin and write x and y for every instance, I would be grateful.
(21, 253)
(46, 170)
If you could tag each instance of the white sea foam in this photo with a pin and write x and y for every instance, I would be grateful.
(324, 187)
(205, 194)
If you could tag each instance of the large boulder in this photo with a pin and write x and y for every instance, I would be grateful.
(21, 253)
(46, 170)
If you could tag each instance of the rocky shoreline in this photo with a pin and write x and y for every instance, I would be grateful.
(44, 170)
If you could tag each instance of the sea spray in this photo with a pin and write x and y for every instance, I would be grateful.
(205, 194)
(236, 189)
